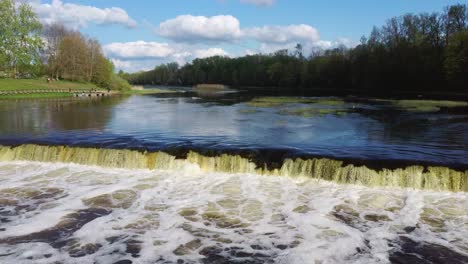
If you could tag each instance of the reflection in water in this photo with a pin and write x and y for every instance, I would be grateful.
(38, 117)
(361, 129)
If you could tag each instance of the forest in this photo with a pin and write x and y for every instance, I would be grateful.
(413, 52)
(29, 49)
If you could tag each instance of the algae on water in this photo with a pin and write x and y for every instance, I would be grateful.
(284, 100)
(292, 106)
(424, 105)
(312, 111)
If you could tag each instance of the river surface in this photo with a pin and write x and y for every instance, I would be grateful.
(52, 212)
(352, 128)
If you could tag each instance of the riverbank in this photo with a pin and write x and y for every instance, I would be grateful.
(141, 90)
(41, 88)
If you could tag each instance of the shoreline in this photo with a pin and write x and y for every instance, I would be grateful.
(41, 88)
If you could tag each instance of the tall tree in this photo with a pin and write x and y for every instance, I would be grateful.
(20, 37)
(7, 13)
(456, 60)
(53, 35)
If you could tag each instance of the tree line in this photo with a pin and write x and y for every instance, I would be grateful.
(29, 49)
(70, 55)
(413, 52)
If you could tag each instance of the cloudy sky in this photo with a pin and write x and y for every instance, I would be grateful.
(139, 34)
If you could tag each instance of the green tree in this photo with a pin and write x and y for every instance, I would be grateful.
(456, 60)
(7, 15)
(104, 69)
(20, 38)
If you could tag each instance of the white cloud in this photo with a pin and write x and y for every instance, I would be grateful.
(188, 28)
(142, 55)
(134, 65)
(205, 53)
(283, 34)
(248, 52)
(78, 16)
(259, 2)
(138, 50)
(267, 48)
(325, 44)
(226, 29)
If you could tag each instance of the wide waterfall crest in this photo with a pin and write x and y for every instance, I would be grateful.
(417, 177)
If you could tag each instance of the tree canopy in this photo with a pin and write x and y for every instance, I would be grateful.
(20, 40)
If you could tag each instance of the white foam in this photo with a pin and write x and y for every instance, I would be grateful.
(289, 220)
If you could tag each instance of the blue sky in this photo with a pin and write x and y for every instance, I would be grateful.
(139, 34)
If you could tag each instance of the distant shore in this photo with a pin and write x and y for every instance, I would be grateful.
(205, 86)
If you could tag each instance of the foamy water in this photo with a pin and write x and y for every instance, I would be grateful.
(69, 213)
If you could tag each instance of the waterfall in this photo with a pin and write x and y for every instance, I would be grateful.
(417, 177)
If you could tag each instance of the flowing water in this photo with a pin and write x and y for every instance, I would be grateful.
(232, 178)
(75, 214)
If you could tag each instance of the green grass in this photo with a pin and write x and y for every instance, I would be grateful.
(425, 105)
(34, 96)
(37, 85)
(41, 84)
(281, 101)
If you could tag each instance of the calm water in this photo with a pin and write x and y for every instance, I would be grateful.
(365, 130)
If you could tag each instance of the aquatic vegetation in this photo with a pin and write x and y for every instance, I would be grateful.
(329, 102)
(285, 100)
(312, 111)
(417, 177)
(277, 101)
(424, 105)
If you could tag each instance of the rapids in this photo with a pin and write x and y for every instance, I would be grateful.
(69, 213)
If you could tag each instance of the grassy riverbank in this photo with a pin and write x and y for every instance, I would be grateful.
(42, 84)
(36, 95)
(40, 88)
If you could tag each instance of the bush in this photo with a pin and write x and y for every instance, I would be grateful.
(118, 84)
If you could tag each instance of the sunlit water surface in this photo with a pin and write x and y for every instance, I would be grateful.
(360, 130)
